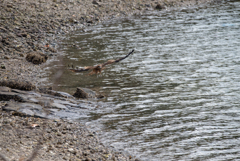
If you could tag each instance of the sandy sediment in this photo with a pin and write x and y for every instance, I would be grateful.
(29, 34)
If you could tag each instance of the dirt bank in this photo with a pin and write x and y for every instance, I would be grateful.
(29, 34)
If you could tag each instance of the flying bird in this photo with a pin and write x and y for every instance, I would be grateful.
(97, 69)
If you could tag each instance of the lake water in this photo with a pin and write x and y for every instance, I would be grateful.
(178, 96)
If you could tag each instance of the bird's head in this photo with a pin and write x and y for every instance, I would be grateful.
(99, 66)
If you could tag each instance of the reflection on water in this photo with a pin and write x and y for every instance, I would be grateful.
(177, 97)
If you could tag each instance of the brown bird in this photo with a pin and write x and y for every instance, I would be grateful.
(97, 69)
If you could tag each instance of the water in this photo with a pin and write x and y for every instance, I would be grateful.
(177, 97)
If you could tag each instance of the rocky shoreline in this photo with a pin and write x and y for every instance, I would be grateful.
(29, 35)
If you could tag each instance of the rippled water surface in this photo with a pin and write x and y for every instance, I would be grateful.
(178, 96)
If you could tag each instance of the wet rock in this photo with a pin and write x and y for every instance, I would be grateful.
(36, 57)
(5, 89)
(16, 84)
(26, 109)
(20, 91)
(7, 96)
(86, 93)
(32, 103)
(80, 93)
(58, 106)
(55, 93)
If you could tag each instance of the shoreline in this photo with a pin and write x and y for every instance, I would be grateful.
(35, 27)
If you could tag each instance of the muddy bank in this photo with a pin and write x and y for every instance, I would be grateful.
(29, 34)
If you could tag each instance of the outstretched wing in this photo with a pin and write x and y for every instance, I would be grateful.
(98, 68)
(117, 60)
(82, 69)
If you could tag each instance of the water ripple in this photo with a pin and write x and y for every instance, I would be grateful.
(177, 97)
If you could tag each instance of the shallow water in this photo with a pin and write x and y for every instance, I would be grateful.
(177, 97)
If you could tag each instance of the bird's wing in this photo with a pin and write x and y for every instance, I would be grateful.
(117, 60)
(100, 65)
(81, 69)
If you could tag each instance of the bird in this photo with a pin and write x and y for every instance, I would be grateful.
(97, 69)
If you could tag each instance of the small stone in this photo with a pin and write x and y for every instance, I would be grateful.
(9, 5)
(3, 66)
(95, 2)
(89, 21)
(65, 158)
(21, 54)
(28, 36)
(58, 106)
(159, 7)
(6, 57)
(71, 150)
(36, 57)
(59, 134)
(5, 89)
